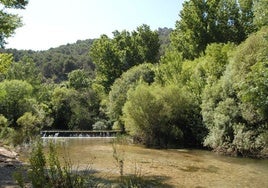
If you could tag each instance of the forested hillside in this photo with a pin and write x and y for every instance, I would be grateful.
(56, 63)
(205, 85)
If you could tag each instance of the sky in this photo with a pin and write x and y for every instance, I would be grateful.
(51, 23)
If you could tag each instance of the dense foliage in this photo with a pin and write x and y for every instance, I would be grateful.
(206, 85)
(56, 63)
(204, 22)
(114, 56)
(119, 89)
(234, 108)
(162, 116)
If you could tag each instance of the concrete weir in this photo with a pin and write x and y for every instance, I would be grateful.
(80, 133)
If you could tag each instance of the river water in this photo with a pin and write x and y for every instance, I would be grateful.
(174, 167)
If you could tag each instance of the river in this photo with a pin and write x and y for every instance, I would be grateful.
(174, 167)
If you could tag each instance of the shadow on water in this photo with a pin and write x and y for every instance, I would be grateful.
(203, 155)
(133, 181)
(209, 169)
(6, 173)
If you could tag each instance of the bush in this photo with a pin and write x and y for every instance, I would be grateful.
(30, 126)
(234, 106)
(119, 89)
(49, 172)
(100, 125)
(4, 129)
(162, 116)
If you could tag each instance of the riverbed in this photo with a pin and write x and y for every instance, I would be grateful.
(174, 167)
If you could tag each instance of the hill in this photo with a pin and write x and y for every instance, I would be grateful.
(56, 63)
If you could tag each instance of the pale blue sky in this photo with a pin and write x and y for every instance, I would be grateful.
(50, 23)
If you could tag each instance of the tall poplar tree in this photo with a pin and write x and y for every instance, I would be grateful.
(207, 21)
(114, 56)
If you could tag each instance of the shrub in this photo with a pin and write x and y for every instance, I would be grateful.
(162, 116)
(100, 125)
(49, 172)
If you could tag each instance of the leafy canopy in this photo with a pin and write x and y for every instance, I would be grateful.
(205, 22)
(9, 22)
(114, 56)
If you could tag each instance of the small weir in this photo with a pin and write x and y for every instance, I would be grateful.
(81, 133)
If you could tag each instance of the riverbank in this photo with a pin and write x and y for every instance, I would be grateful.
(9, 163)
(233, 152)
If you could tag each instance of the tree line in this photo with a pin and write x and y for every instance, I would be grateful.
(205, 86)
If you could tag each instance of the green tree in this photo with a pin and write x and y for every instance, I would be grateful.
(5, 62)
(9, 22)
(14, 97)
(118, 93)
(164, 39)
(148, 43)
(220, 112)
(189, 75)
(255, 88)
(234, 108)
(30, 126)
(192, 77)
(3, 126)
(205, 22)
(106, 58)
(190, 35)
(215, 61)
(56, 63)
(85, 110)
(114, 56)
(78, 79)
(45, 92)
(248, 15)
(3, 121)
(72, 109)
(162, 116)
(62, 100)
(260, 13)
(128, 49)
(169, 68)
(142, 115)
(250, 79)
(25, 70)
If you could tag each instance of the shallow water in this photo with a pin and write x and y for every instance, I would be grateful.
(178, 168)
